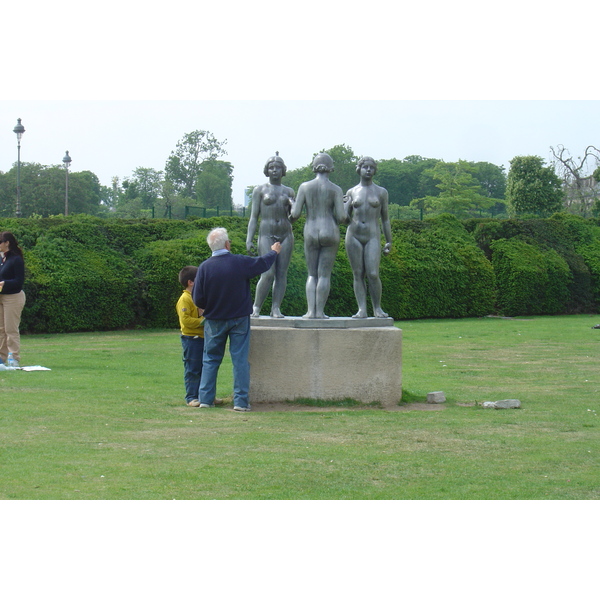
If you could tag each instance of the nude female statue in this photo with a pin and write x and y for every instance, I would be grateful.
(366, 204)
(324, 203)
(272, 202)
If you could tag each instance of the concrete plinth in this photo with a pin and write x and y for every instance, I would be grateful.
(327, 359)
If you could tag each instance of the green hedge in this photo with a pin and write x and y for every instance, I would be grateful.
(568, 236)
(530, 281)
(438, 271)
(86, 273)
(73, 287)
(435, 269)
(590, 254)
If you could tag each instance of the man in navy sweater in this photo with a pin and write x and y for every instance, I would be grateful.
(222, 289)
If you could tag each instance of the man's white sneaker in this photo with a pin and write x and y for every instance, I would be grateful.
(242, 408)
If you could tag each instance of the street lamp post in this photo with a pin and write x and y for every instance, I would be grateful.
(19, 130)
(67, 161)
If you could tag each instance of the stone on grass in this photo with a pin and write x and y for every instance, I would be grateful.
(502, 404)
(436, 397)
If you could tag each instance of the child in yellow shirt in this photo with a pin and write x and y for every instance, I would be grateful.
(191, 322)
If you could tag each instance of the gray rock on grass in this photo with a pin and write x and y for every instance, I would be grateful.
(502, 404)
(436, 397)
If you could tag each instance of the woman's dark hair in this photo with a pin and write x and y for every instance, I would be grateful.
(7, 236)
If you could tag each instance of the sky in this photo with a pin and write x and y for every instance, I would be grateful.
(118, 83)
(114, 137)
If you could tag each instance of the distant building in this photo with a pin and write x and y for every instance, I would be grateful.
(247, 196)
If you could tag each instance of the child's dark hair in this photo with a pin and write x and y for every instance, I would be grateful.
(187, 274)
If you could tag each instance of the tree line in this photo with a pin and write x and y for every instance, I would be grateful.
(196, 175)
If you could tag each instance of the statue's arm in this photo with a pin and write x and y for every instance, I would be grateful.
(385, 221)
(340, 210)
(297, 204)
(254, 214)
(290, 200)
(348, 206)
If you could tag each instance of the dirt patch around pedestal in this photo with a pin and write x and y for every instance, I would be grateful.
(293, 407)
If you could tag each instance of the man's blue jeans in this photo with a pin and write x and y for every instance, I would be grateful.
(193, 350)
(216, 333)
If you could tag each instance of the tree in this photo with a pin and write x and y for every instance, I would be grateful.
(491, 178)
(8, 195)
(130, 208)
(460, 193)
(43, 191)
(111, 195)
(185, 162)
(390, 176)
(344, 163)
(214, 184)
(344, 174)
(145, 184)
(581, 191)
(596, 207)
(405, 179)
(169, 197)
(85, 193)
(532, 188)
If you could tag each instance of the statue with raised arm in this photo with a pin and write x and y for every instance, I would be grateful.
(324, 202)
(271, 203)
(366, 204)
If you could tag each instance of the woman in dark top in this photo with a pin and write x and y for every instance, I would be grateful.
(12, 296)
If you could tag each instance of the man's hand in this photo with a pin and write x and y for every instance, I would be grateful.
(277, 247)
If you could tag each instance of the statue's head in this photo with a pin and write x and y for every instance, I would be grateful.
(275, 159)
(363, 160)
(322, 163)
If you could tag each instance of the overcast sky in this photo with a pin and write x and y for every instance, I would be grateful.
(115, 137)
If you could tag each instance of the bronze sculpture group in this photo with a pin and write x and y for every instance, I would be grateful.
(364, 209)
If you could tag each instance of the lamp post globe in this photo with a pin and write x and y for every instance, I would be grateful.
(19, 130)
(66, 161)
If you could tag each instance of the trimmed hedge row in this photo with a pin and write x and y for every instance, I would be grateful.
(85, 273)
(543, 266)
(437, 270)
(530, 281)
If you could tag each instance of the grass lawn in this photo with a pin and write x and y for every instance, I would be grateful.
(109, 422)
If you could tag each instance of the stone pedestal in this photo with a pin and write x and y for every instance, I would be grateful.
(328, 359)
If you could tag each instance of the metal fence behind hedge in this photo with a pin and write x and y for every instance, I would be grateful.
(404, 213)
(199, 211)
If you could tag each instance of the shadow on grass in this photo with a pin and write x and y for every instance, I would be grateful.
(409, 397)
(343, 403)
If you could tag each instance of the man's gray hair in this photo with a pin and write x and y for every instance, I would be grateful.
(217, 238)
